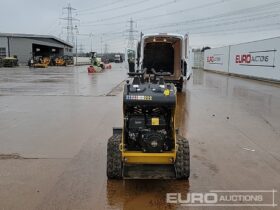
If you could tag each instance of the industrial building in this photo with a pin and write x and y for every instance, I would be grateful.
(25, 46)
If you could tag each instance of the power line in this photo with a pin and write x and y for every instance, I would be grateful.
(101, 6)
(162, 15)
(245, 10)
(115, 8)
(138, 11)
(101, 24)
(237, 21)
(109, 33)
(183, 10)
(238, 12)
(224, 19)
(209, 19)
(239, 29)
(53, 26)
(192, 30)
(156, 16)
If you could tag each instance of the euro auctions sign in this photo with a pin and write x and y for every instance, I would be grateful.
(260, 59)
(265, 58)
(215, 59)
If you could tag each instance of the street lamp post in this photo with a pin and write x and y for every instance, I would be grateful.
(91, 35)
(77, 32)
(101, 43)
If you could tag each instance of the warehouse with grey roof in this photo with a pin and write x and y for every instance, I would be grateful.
(26, 46)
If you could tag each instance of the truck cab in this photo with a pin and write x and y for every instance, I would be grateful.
(118, 58)
(164, 52)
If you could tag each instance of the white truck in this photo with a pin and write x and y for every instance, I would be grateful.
(118, 58)
(164, 52)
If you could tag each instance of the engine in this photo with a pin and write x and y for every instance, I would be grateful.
(149, 109)
(148, 133)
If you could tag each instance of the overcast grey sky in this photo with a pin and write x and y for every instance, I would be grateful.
(209, 22)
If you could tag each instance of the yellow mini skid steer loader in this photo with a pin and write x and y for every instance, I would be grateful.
(148, 146)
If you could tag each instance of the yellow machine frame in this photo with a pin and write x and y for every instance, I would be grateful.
(138, 157)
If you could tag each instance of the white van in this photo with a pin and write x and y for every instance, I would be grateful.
(164, 52)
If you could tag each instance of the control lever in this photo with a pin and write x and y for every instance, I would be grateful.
(128, 86)
(137, 73)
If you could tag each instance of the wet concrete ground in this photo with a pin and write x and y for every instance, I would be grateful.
(54, 124)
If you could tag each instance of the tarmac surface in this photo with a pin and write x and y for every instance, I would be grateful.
(55, 122)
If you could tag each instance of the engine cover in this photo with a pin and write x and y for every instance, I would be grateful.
(153, 141)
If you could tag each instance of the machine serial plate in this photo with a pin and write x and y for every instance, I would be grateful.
(144, 98)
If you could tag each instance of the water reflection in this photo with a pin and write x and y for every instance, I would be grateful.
(60, 81)
(182, 112)
(197, 77)
(143, 194)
